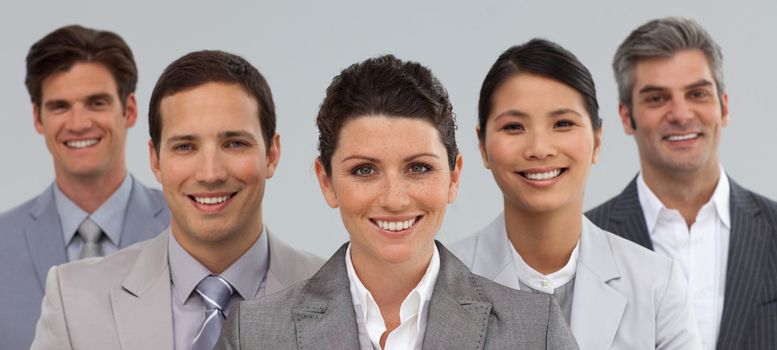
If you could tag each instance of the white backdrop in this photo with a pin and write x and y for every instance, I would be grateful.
(300, 46)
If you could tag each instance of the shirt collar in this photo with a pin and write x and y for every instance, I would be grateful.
(245, 275)
(109, 216)
(652, 205)
(547, 283)
(412, 305)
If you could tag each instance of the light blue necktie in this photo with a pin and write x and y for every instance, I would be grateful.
(215, 293)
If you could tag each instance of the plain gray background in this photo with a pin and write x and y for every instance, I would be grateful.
(300, 46)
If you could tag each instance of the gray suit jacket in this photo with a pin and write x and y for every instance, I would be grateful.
(122, 301)
(32, 242)
(466, 312)
(750, 304)
(625, 297)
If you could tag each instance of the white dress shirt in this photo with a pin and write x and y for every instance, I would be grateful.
(541, 282)
(412, 313)
(701, 251)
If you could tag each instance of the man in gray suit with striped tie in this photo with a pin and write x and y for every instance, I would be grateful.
(213, 146)
(682, 204)
(81, 83)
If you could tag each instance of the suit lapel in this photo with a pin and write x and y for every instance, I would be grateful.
(458, 315)
(747, 244)
(144, 218)
(141, 306)
(597, 308)
(44, 236)
(628, 217)
(324, 315)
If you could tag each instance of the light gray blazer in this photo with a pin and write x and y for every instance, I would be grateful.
(465, 312)
(625, 296)
(122, 301)
(31, 241)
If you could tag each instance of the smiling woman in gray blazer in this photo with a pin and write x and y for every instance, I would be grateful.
(540, 133)
(388, 160)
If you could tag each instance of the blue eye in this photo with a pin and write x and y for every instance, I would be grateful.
(419, 168)
(184, 147)
(363, 170)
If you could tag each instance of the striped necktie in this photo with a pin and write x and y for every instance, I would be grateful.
(215, 293)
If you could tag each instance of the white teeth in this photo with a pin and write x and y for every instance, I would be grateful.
(682, 137)
(543, 176)
(395, 225)
(81, 143)
(211, 200)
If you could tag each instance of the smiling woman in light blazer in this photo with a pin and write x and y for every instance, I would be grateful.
(539, 134)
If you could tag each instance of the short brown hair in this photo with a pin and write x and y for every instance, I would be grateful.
(61, 49)
(385, 86)
(200, 67)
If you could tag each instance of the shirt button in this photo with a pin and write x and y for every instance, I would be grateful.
(545, 283)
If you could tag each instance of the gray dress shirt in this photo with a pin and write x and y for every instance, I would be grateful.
(109, 216)
(247, 275)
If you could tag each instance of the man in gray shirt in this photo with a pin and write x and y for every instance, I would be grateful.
(82, 88)
(213, 145)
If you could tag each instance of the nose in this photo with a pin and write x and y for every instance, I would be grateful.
(79, 120)
(680, 111)
(539, 145)
(395, 193)
(211, 168)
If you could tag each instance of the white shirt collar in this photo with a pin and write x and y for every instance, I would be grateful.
(652, 205)
(412, 305)
(546, 283)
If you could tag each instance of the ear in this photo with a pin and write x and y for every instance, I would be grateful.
(625, 115)
(482, 147)
(325, 182)
(154, 158)
(724, 108)
(453, 188)
(597, 144)
(273, 155)
(36, 117)
(131, 111)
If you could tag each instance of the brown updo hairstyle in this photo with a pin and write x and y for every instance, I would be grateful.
(389, 87)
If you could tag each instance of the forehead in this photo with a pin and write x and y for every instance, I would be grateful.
(388, 137)
(683, 68)
(81, 80)
(535, 93)
(209, 108)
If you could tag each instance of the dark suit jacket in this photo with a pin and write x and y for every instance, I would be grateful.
(749, 318)
(32, 242)
(466, 312)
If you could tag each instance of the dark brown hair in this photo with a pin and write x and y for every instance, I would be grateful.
(546, 59)
(61, 49)
(200, 67)
(384, 86)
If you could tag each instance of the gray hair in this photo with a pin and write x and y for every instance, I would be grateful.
(663, 38)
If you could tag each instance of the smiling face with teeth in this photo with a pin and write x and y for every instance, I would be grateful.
(85, 124)
(539, 144)
(391, 180)
(212, 165)
(677, 115)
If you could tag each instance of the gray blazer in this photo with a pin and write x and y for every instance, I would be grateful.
(122, 301)
(466, 312)
(625, 297)
(750, 304)
(32, 242)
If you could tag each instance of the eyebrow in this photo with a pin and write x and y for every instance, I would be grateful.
(375, 160)
(97, 96)
(554, 113)
(221, 135)
(653, 88)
